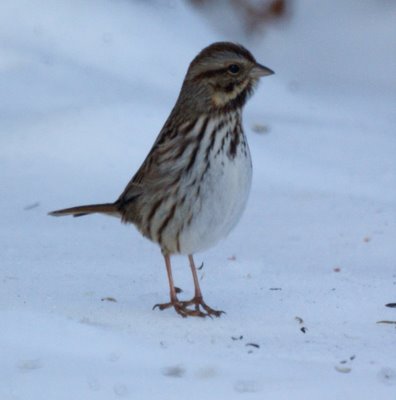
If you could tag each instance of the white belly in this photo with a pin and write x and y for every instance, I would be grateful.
(221, 199)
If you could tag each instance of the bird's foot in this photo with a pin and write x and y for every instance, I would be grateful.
(198, 302)
(181, 307)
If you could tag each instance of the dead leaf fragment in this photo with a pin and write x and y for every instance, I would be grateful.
(260, 128)
(176, 371)
(343, 370)
(257, 346)
(31, 206)
(108, 298)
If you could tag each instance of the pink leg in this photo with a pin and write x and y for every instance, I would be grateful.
(197, 300)
(182, 307)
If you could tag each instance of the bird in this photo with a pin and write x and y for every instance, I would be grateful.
(192, 187)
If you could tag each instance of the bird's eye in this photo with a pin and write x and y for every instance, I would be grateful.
(233, 68)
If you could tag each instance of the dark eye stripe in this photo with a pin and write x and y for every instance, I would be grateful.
(211, 73)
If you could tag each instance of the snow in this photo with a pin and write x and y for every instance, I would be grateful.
(85, 87)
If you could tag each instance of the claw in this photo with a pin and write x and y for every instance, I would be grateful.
(177, 305)
(198, 302)
(201, 309)
(181, 307)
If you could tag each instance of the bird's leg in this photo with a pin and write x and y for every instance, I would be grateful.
(179, 306)
(174, 301)
(197, 300)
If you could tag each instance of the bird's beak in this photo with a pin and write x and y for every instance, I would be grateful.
(259, 70)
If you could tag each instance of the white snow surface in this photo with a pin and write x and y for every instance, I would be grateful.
(85, 87)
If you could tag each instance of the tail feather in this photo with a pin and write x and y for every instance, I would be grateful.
(79, 211)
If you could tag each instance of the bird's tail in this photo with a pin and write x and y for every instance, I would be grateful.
(79, 211)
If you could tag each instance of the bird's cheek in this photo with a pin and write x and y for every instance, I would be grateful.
(220, 99)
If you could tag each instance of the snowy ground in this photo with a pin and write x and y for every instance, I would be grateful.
(84, 88)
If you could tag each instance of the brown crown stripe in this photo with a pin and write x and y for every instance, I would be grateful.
(210, 73)
(230, 47)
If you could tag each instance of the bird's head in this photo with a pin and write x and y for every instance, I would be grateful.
(221, 77)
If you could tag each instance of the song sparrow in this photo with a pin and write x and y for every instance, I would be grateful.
(193, 185)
